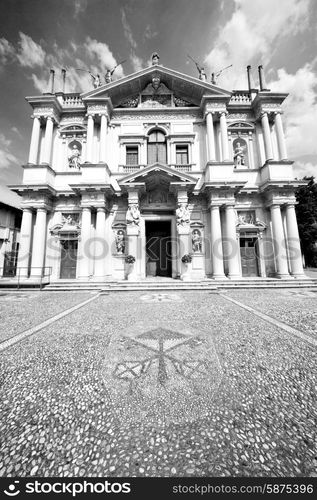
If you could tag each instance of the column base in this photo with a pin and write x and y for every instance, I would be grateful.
(219, 276)
(299, 276)
(283, 276)
(234, 276)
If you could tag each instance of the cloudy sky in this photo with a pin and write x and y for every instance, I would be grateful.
(36, 35)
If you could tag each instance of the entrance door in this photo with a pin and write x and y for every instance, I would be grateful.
(158, 248)
(249, 261)
(68, 259)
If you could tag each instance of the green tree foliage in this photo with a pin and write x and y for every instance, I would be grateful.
(306, 212)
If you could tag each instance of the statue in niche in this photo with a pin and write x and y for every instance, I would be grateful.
(120, 242)
(238, 155)
(69, 221)
(239, 152)
(75, 157)
(196, 241)
(182, 214)
(133, 215)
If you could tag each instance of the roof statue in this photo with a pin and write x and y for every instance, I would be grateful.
(109, 73)
(201, 69)
(155, 58)
(95, 78)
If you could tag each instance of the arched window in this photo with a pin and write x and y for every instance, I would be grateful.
(156, 149)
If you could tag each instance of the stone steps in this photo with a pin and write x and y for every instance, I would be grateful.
(174, 285)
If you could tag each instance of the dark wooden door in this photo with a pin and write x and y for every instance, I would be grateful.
(68, 259)
(158, 248)
(249, 261)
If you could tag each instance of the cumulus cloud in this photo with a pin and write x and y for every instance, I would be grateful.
(30, 53)
(136, 61)
(6, 50)
(103, 54)
(302, 169)
(6, 157)
(253, 33)
(300, 108)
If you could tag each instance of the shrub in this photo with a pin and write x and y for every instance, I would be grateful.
(187, 258)
(130, 259)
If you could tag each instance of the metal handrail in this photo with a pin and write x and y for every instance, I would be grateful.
(46, 271)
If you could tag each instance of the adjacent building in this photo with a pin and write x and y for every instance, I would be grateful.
(159, 165)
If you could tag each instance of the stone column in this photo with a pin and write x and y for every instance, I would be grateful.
(100, 243)
(210, 137)
(279, 242)
(48, 139)
(267, 137)
(280, 137)
(295, 254)
(35, 139)
(86, 247)
(90, 138)
(224, 136)
(25, 242)
(103, 139)
(232, 250)
(216, 243)
(39, 239)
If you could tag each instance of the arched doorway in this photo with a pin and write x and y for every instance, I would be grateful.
(156, 150)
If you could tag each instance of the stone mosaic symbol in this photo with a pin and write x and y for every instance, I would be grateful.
(161, 373)
(161, 297)
(160, 343)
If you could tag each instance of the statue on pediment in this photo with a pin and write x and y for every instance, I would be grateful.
(182, 215)
(155, 58)
(133, 215)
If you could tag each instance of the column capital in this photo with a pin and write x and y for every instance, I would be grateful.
(101, 209)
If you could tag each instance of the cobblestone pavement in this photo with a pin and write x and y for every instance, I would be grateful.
(193, 386)
(22, 310)
(295, 307)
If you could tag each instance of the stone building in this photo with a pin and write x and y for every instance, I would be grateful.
(10, 223)
(159, 165)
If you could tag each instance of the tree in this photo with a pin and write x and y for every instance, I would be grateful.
(306, 211)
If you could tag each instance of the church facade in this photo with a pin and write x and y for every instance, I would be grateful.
(158, 174)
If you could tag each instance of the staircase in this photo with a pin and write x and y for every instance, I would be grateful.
(165, 285)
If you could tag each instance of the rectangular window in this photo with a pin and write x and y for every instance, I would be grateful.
(132, 155)
(182, 154)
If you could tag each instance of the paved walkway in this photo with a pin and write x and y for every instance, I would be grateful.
(160, 384)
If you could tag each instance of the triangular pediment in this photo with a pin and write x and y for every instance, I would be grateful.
(161, 173)
(125, 91)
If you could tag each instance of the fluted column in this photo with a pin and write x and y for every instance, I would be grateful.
(103, 139)
(25, 242)
(90, 138)
(210, 137)
(295, 254)
(39, 239)
(216, 242)
(267, 136)
(35, 139)
(86, 246)
(280, 137)
(232, 251)
(48, 139)
(279, 242)
(100, 243)
(224, 137)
